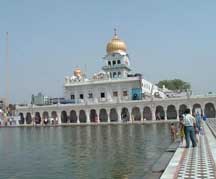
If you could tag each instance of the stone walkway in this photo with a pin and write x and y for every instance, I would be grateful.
(212, 125)
(198, 162)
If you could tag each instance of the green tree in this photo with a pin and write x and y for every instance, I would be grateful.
(175, 85)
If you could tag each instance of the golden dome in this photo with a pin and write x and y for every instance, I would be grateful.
(77, 72)
(116, 45)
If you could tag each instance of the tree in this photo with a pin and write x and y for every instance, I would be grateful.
(175, 85)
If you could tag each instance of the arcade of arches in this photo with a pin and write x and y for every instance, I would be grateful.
(105, 115)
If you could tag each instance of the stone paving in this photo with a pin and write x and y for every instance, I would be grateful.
(198, 162)
(212, 125)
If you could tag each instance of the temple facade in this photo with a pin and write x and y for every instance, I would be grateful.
(114, 94)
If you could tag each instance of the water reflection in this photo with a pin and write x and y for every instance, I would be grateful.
(111, 151)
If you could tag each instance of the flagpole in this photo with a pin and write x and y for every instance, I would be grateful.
(7, 71)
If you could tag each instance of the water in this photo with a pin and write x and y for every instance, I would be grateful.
(77, 152)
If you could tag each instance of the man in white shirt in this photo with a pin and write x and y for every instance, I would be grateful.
(189, 122)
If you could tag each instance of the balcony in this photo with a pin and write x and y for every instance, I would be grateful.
(115, 66)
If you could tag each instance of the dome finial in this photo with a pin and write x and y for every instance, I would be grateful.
(115, 32)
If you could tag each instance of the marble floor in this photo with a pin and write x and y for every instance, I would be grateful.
(198, 162)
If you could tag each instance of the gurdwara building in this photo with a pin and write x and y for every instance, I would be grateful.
(115, 94)
(114, 83)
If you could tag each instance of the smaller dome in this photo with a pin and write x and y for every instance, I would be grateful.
(116, 45)
(77, 72)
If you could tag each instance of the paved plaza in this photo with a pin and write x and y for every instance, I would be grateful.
(198, 162)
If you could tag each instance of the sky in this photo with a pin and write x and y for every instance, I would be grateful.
(48, 39)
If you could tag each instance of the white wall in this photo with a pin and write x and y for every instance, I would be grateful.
(96, 89)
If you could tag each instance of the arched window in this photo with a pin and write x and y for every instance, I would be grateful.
(147, 114)
(28, 118)
(82, 116)
(113, 115)
(103, 116)
(114, 74)
(125, 116)
(182, 109)
(171, 112)
(210, 110)
(136, 115)
(119, 74)
(73, 116)
(64, 117)
(93, 116)
(196, 108)
(159, 113)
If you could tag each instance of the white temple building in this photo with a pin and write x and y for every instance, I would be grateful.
(114, 94)
(114, 82)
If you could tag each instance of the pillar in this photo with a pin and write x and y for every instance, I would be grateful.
(131, 115)
(202, 108)
(108, 115)
(177, 111)
(165, 115)
(33, 119)
(119, 114)
(24, 115)
(59, 117)
(78, 120)
(153, 113)
(98, 116)
(190, 107)
(87, 116)
(141, 112)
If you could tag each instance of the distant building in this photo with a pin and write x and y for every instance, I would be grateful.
(2, 103)
(40, 99)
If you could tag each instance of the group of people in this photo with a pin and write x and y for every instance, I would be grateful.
(189, 128)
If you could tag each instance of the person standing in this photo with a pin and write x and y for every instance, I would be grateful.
(204, 117)
(198, 121)
(189, 122)
(173, 132)
(181, 129)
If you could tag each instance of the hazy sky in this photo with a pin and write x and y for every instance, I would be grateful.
(49, 38)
